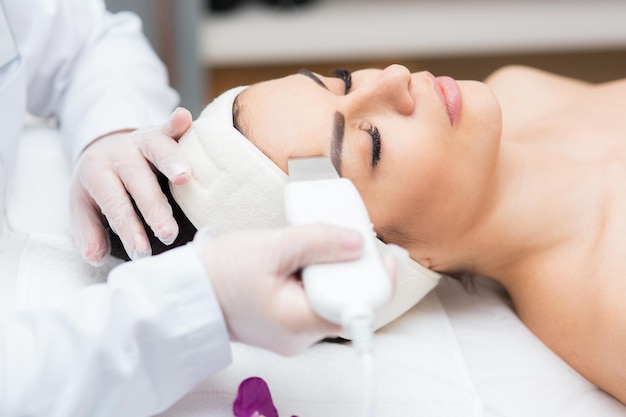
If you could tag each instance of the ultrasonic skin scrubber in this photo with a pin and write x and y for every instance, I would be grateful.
(346, 293)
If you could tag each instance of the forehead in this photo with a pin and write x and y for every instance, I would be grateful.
(286, 117)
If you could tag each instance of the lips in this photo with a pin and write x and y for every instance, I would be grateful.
(451, 96)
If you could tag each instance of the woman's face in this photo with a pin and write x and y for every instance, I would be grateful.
(420, 149)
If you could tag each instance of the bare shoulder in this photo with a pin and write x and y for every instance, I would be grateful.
(607, 338)
(509, 73)
(583, 320)
(526, 95)
(519, 77)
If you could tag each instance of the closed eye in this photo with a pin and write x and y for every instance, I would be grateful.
(345, 76)
(375, 134)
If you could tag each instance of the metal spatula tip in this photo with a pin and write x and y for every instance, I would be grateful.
(311, 168)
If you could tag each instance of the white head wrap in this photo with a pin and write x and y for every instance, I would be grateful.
(235, 186)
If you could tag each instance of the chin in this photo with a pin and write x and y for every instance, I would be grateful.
(481, 112)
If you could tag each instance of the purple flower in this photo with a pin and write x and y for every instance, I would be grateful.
(254, 399)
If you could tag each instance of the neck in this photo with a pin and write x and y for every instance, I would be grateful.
(525, 216)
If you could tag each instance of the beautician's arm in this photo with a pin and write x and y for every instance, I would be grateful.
(136, 345)
(131, 347)
(100, 78)
(93, 70)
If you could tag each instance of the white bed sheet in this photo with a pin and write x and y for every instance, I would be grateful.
(492, 352)
(515, 373)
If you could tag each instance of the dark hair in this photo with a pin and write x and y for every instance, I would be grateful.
(186, 230)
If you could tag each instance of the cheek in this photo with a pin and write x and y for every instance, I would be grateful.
(392, 196)
(409, 171)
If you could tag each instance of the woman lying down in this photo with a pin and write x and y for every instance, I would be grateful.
(521, 178)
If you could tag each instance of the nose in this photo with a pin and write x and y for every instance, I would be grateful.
(390, 89)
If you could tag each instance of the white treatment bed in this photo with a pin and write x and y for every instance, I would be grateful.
(455, 353)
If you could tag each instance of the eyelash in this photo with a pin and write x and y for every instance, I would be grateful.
(346, 77)
(375, 134)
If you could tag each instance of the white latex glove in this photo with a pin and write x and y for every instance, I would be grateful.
(118, 165)
(255, 275)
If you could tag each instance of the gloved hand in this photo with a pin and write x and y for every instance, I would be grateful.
(255, 277)
(119, 164)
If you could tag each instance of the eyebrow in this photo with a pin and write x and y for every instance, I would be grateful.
(312, 76)
(336, 143)
(339, 122)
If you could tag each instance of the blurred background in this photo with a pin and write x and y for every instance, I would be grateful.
(212, 45)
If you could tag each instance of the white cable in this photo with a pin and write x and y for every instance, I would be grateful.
(361, 332)
(369, 386)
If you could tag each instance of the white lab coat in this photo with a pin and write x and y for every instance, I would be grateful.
(92, 70)
(134, 346)
(131, 347)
